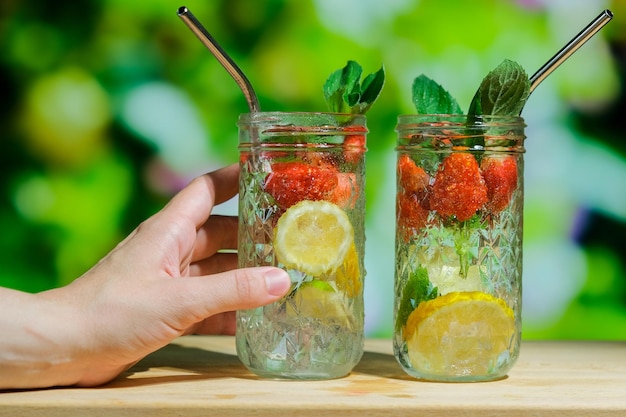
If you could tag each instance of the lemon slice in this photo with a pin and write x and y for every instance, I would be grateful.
(313, 237)
(318, 300)
(460, 333)
(348, 278)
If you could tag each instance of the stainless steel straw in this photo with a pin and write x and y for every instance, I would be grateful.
(205, 37)
(576, 42)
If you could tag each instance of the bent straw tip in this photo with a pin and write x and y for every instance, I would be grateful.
(182, 10)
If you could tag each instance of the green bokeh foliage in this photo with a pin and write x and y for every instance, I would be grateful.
(76, 177)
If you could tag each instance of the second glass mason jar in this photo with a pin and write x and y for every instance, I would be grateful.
(457, 304)
(302, 208)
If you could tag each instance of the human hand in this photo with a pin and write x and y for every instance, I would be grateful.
(164, 280)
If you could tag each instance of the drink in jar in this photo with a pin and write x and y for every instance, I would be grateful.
(301, 208)
(458, 246)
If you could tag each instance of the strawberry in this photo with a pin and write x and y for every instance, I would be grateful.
(410, 214)
(321, 160)
(500, 174)
(291, 182)
(413, 179)
(354, 145)
(459, 189)
(346, 192)
(413, 192)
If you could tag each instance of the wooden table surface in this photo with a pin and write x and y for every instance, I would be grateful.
(201, 376)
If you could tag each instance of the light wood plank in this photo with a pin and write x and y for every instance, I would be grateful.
(201, 375)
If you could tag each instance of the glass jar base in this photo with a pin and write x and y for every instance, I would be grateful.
(456, 378)
(300, 376)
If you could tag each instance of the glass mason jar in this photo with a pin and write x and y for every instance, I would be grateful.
(302, 208)
(459, 202)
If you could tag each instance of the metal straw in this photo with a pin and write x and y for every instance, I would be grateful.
(576, 42)
(205, 37)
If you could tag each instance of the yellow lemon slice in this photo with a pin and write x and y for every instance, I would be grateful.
(318, 300)
(313, 237)
(348, 276)
(460, 333)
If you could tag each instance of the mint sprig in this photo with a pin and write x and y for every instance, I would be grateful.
(431, 98)
(418, 288)
(502, 92)
(345, 93)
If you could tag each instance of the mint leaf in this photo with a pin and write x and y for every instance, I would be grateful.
(336, 86)
(344, 92)
(417, 289)
(350, 78)
(370, 90)
(431, 98)
(503, 91)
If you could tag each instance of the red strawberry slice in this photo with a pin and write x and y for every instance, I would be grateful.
(410, 214)
(346, 193)
(500, 174)
(291, 182)
(354, 145)
(459, 189)
(412, 204)
(412, 179)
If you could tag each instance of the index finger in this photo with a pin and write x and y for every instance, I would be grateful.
(219, 232)
(198, 198)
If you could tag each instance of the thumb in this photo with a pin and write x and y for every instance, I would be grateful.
(236, 289)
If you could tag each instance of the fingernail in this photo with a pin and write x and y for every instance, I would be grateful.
(277, 281)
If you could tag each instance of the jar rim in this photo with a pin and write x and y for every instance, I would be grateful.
(427, 119)
(272, 116)
(447, 132)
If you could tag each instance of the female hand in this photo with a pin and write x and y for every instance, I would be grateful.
(166, 279)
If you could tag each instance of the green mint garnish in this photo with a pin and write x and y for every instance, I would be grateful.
(502, 92)
(345, 93)
(465, 240)
(417, 289)
(431, 98)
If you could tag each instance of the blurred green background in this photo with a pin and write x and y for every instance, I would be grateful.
(109, 107)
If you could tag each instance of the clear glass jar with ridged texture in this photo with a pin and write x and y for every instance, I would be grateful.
(302, 208)
(458, 246)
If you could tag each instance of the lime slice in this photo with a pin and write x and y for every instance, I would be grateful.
(318, 300)
(313, 237)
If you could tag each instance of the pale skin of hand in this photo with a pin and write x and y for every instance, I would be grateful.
(166, 279)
